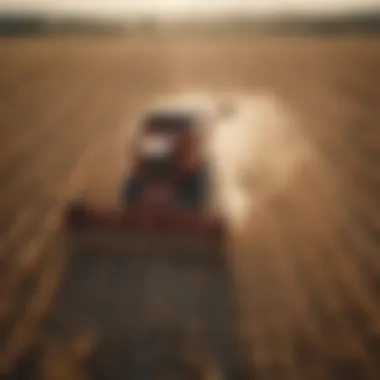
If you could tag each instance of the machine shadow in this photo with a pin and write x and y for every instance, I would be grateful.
(154, 317)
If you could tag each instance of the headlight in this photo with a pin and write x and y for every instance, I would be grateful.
(156, 146)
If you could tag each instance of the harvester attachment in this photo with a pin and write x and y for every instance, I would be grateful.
(176, 234)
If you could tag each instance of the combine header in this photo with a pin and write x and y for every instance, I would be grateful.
(164, 201)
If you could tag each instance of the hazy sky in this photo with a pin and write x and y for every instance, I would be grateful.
(185, 7)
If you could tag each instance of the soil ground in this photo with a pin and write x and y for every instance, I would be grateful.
(301, 301)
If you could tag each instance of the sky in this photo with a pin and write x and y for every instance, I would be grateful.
(178, 8)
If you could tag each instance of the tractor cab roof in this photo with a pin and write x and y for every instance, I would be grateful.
(189, 109)
(184, 113)
(170, 120)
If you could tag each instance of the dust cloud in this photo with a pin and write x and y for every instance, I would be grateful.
(257, 150)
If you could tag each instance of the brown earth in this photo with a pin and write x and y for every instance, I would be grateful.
(307, 286)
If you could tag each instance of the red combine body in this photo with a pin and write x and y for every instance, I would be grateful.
(168, 163)
(165, 195)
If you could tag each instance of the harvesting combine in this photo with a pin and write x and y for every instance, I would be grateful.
(164, 200)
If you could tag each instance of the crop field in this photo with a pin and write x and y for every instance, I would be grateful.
(297, 295)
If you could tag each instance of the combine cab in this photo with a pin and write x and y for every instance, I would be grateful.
(163, 205)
